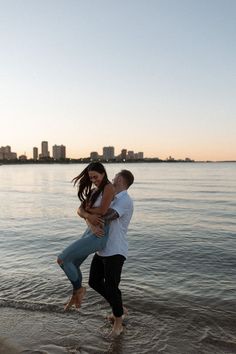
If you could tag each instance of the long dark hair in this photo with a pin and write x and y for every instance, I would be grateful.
(85, 185)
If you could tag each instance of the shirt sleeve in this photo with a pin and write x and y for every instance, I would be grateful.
(122, 205)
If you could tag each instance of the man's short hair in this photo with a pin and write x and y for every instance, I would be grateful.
(128, 177)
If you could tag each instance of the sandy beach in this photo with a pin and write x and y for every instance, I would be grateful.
(24, 331)
(31, 332)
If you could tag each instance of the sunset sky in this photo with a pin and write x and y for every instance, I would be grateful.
(157, 76)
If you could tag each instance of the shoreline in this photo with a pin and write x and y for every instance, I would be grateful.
(26, 331)
(86, 161)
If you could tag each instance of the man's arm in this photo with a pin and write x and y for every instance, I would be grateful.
(111, 215)
(94, 221)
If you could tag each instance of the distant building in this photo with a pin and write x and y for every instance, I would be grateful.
(108, 153)
(35, 153)
(44, 150)
(123, 154)
(23, 157)
(59, 152)
(130, 155)
(94, 156)
(140, 155)
(6, 154)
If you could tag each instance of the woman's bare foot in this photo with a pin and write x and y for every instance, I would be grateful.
(79, 294)
(70, 303)
(76, 298)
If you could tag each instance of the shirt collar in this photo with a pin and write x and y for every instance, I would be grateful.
(120, 194)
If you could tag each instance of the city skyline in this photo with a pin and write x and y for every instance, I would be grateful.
(58, 152)
(157, 76)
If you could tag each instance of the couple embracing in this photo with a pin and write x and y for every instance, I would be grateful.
(107, 209)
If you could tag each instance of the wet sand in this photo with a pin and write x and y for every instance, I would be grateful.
(168, 332)
(24, 331)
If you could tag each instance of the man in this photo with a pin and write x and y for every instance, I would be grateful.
(106, 266)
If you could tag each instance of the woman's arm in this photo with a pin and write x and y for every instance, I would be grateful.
(107, 197)
(92, 219)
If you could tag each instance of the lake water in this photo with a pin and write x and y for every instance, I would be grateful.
(178, 283)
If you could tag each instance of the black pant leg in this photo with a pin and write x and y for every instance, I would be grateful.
(97, 275)
(104, 278)
(112, 273)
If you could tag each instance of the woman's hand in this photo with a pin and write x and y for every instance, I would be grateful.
(94, 219)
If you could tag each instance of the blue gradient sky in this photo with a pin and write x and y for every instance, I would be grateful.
(156, 76)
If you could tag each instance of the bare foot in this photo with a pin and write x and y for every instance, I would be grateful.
(79, 294)
(111, 318)
(76, 298)
(70, 303)
(116, 331)
(117, 327)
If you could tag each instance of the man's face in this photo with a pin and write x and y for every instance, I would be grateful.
(116, 180)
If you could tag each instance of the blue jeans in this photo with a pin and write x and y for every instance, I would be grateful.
(73, 256)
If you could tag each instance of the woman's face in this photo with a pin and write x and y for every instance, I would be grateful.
(96, 177)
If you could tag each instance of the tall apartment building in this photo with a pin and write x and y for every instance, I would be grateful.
(44, 150)
(35, 153)
(59, 152)
(6, 154)
(108, 153)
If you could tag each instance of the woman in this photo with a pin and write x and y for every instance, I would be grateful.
(96, 202)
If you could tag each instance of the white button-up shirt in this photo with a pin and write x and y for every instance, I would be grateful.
(117, 240)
